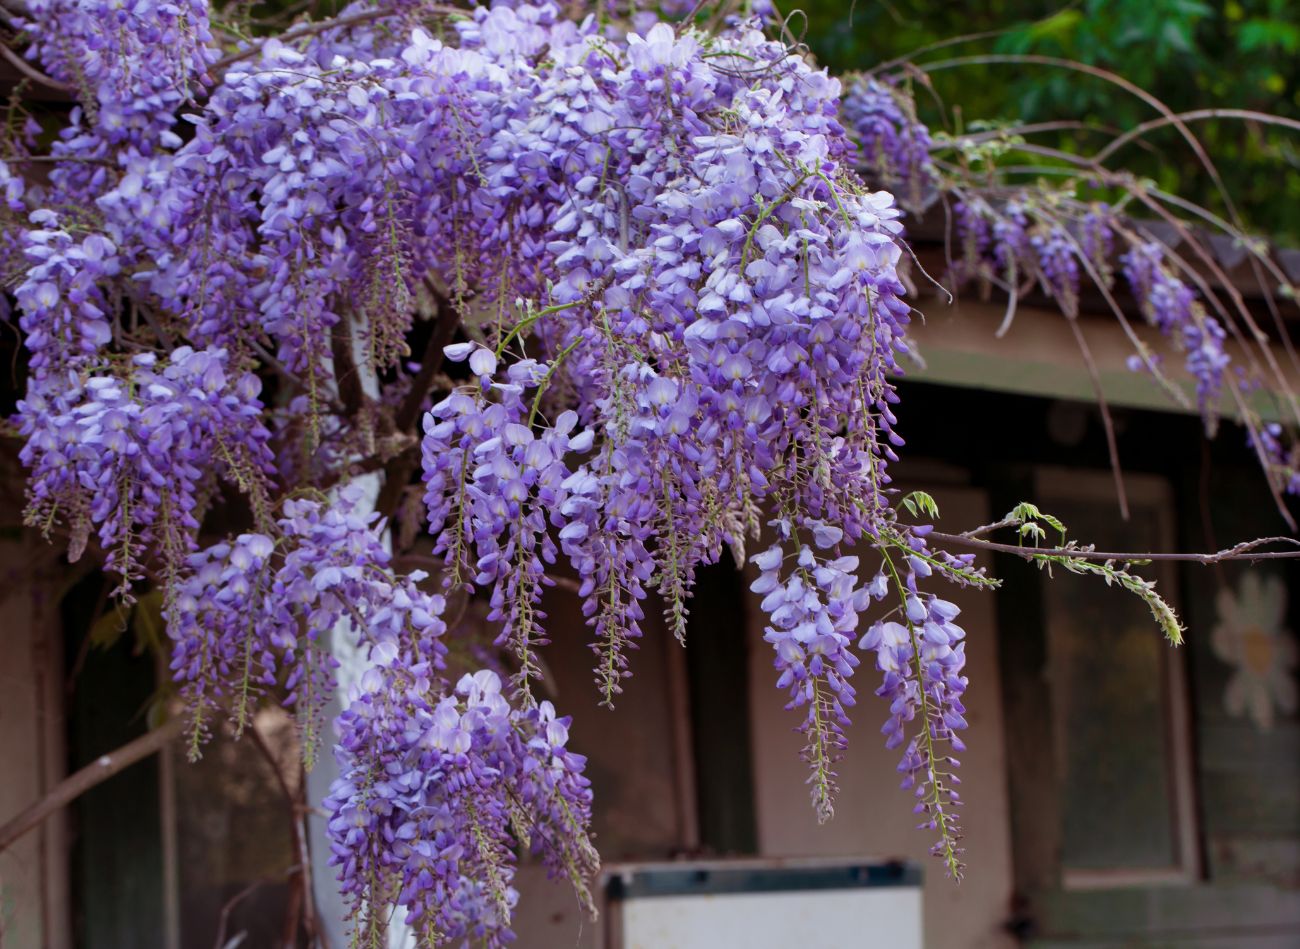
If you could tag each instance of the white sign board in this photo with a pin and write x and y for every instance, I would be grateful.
(750, 905)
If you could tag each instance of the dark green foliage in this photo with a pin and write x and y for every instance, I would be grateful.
(1188, 54)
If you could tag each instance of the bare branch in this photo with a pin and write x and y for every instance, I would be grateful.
(32, 73)
(401, 468)
(1248, 551)
(95, 773)
(1107, 423)
(1198, 115)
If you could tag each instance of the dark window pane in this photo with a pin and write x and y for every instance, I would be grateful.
(1109, 668)
(236, 845)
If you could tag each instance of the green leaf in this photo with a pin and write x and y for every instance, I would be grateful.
(1163, 613)
(1026, 513)
(919, 501)
(108, 629)
(1178, 36)
(1258, 34)
(1059, 26)
(150, 628)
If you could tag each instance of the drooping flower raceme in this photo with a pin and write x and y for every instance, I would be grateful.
(435, 793)
(893, 144)
(133, 456)
(724, 307)
(258, 609)
(1171, 305)
(814, 615)
(921, 655)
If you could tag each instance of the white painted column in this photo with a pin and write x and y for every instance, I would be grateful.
(330, 906)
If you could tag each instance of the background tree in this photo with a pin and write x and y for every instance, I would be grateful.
(1191, 56)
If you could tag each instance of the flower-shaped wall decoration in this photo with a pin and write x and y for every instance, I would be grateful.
(1250, 637)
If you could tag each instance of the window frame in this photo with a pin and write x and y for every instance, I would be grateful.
(1156, 493)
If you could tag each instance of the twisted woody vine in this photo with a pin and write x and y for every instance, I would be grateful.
(626, 288)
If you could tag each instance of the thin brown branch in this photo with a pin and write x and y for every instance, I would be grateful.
(1198, 115)
(1248, 551)
(347, 376)
(1257, 335)
(297, 830)
(93, 774)
(316, 931)
(1055, 62)
(32, 73)
(444, 329)
(228, 907)
(1107, 423)
(907, 58)
(289, 376)
(290, 801)
(1033, 128)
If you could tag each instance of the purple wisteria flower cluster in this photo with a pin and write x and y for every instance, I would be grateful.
(813, 617)
(436, 793)
(494, 486)
(134, 454)
(894, 146)
(1171, 305)
(259, 610)
(721, 302)
(436, 787)
(133, 63)
(921, 655)
(1027, 241)
(686, 315)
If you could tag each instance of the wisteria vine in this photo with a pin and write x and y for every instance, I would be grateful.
(662, 305)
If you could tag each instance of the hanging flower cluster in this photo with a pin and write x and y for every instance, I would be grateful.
(922, 655)
(725, 307)
(436, 787)
(1023, 243)
(494, 486)
(133, 63)
(435, 795)
(260, 609)
(134, 454)
(65, 311)
(894, 146)
(814, 615)
(1171, 305)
